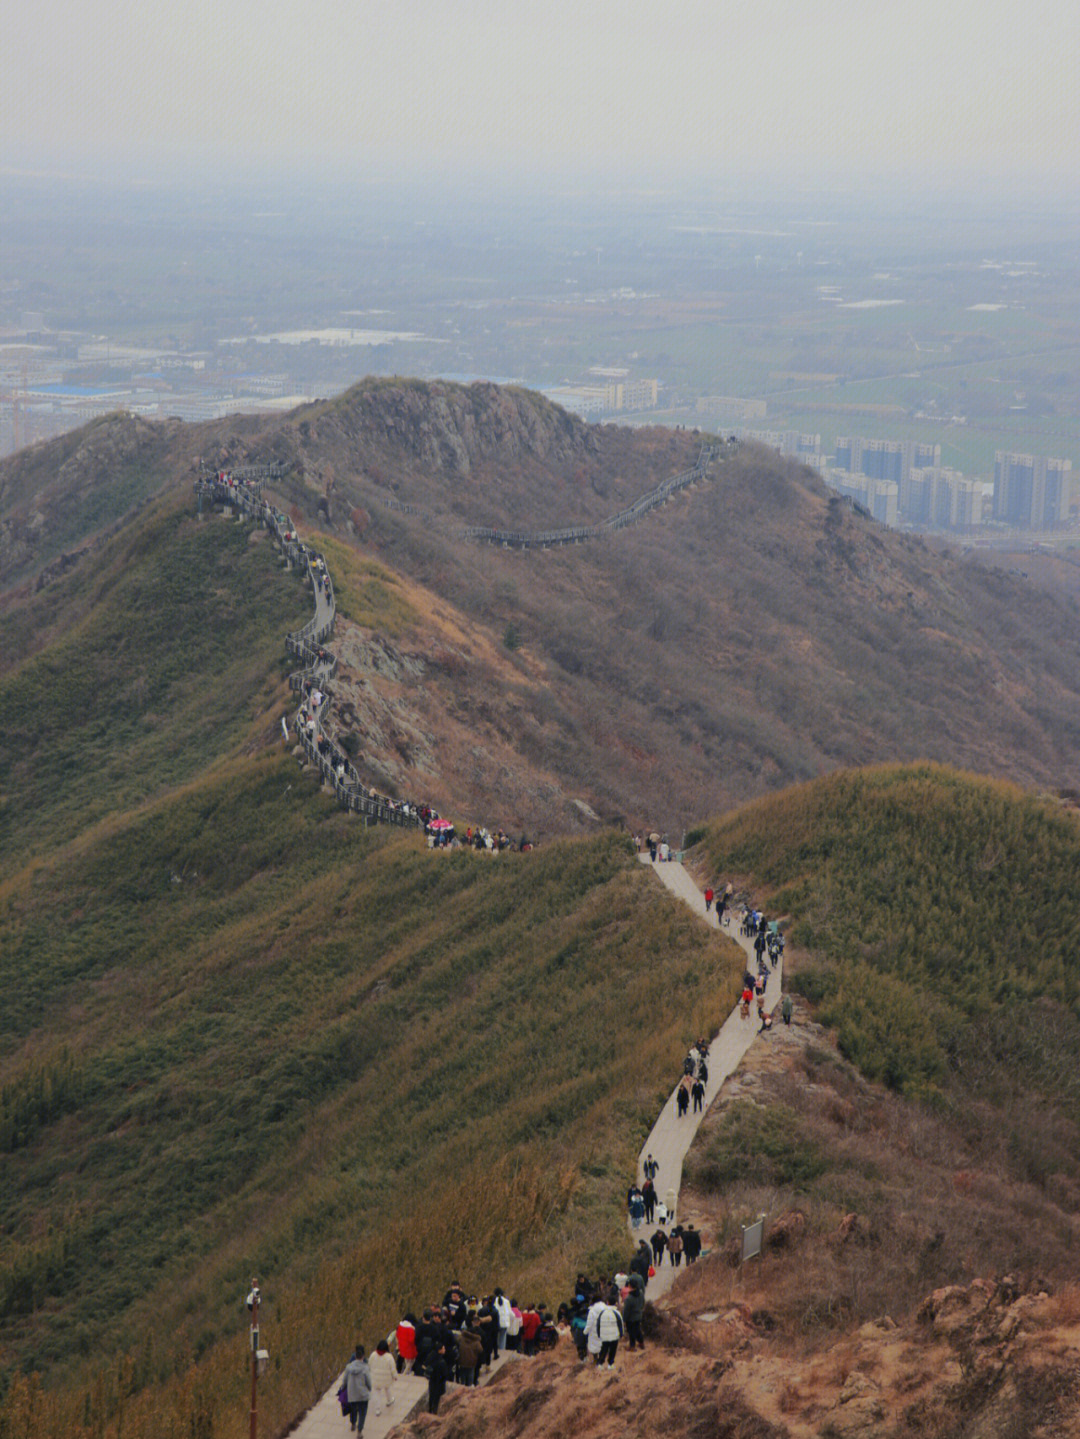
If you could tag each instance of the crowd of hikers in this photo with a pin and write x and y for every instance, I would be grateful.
(455, 1340)
(310, 720)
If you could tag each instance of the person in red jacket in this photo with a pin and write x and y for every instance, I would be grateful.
(406, 1340)
(530, 1325)
(708, 899)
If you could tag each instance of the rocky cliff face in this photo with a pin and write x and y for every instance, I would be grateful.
(452, 430)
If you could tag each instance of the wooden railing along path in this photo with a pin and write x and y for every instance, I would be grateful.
(578, 534)
(240, 490)
(307, 644)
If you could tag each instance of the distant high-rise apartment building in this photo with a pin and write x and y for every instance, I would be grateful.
(892, 460)
(1032, 491)
(877, 497)
(633, 395)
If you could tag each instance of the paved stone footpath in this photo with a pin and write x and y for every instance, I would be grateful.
(671, 1137)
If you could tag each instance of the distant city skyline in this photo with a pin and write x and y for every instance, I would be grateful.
(940, 95)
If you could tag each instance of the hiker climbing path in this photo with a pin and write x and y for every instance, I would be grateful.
(671, 1137)
(325, 1420)
(240, 490)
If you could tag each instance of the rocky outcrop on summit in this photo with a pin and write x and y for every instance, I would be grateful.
(486, 454)
(454, 429)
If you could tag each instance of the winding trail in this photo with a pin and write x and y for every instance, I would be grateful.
(671, 1137)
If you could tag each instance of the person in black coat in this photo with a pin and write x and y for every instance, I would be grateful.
(640, 1263)
(438, 1375)
(659, 1244)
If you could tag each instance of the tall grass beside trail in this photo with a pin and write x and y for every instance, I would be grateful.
(137, 670)
(364, 590)
(938, 914)
(249, 1036)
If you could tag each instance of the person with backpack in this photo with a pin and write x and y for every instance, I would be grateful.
(609, 1328)
(577, 1330)
(357, 1389)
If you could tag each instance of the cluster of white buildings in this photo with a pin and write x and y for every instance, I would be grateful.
(904, 482)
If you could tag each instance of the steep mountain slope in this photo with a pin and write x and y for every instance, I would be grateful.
(918, 1276)
(752, 632)
(243, 1032)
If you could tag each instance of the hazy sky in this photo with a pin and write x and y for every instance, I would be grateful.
(796, 85)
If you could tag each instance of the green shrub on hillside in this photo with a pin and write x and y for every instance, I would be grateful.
(327, 1054)
(756, 1145)
(155, 664)
(938, 910)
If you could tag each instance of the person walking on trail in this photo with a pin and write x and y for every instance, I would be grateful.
(648, 1195)
(438, 1378)
(357, 1389)
(637, 1208)
(691, 1244)
(383, 1376)
(698, 1093)
(682, 1100)
(652, 1169)
(639, 1265)
(503, 1316)
(592, 1328)
(609, 1328)
(787, 1008)
(744, 1003)
(759, 945)
(675, 1246)
(708, 898)
(634, 1312)
(659, 1244)
(470, 1353)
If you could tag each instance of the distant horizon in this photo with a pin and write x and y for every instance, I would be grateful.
(762, 187)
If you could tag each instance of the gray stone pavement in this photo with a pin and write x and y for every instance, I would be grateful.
(668, 1142)
(670, 1137)
(326, 1421)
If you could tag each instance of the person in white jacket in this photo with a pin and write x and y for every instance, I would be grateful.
(504, 1316)
(592, 1331)
(609, 1326)
(384, 1375)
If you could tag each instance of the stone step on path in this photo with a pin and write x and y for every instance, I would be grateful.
(670, 1137)
(326, 1421)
